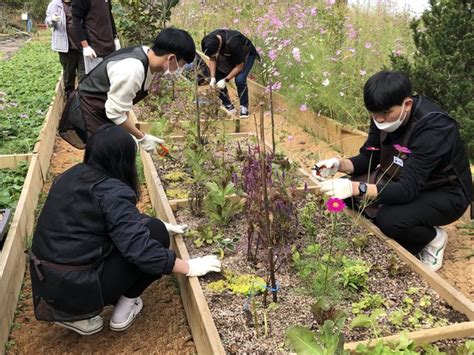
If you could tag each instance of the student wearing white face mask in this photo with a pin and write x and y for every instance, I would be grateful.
(412, 175)
(109, 91)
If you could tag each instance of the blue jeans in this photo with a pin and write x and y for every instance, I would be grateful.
(240, 82)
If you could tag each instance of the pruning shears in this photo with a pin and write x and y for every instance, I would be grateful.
(318, 169)
(164, 152)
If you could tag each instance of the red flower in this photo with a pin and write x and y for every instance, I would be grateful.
(372, 149)
(402, 149)
(335, 205)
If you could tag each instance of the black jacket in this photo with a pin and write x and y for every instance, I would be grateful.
(86, 216)
(434, 143)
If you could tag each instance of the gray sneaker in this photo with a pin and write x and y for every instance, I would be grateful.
(120, 327)
(84, 327)
(231, 109)
(432, 254)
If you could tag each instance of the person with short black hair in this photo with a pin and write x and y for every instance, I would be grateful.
(231, 56)
(412, 174)
(92, 247)
(108, 93)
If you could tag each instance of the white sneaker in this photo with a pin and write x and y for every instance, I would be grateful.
(244, 112)
(231, 109)
(432, 254)
(135, 311)
(84, 327)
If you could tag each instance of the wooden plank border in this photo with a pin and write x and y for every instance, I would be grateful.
(12, 258)
(11, 160)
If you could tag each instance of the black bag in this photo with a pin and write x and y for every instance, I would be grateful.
(72, 127)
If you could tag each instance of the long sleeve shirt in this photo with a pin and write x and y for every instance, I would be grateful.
(126, 77)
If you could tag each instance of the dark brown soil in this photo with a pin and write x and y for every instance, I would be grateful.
(160, 329)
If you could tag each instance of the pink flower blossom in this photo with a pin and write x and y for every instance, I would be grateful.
(296, 54)
(290, 137)
(272, 54)
(285, 42)
(322, 31)
(362, 72)
(335, 205)
(303, 108)
(314, 11)
(236, 20)
(330, 2)
(338, 52)
(372, 149)
(300, 25)
(368, 45)
(402, 149)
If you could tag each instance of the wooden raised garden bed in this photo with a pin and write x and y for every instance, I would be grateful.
(12, 257)
(238, 317)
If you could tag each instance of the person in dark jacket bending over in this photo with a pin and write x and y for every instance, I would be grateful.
(419, 178)
(231, 56)
(93, 248)
(94, 25)
(108, 93)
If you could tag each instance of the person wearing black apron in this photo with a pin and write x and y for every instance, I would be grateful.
(92, 247)
(231, 55)
(109, 91)
(412, 175)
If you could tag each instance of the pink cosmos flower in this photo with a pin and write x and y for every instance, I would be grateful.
(296, 54)
(335, 205)
(303, 108)
(368, 45)
(402, 149)
(314, 11)
(372, 149)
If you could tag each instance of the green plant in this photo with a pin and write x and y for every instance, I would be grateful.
(368, 301)
(245, 285)
(219, 205)
(327, 341)
(396, 318)
(227, 244)
(369, 321)
(205, 234)
(355, 273)
(442, 63)
(325, 309)
(466, 348)
(11, 181)
(307, 218)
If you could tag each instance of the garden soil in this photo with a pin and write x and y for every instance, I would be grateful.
(161, 328)
(8, 46)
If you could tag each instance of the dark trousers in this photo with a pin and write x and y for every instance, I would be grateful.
(240, 82)
(411, 224)
(120, 277)
(73, 64)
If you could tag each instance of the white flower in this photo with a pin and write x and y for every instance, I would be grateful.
(341, 93)
(325, 82)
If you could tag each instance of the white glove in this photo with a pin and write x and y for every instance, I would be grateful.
(221, 84)
(201, 266)
(212, 83)
(150, 142)
(117, 44)
(89, 52)
(326, 168)
(56, 18)
(176, 228)
(340, 188)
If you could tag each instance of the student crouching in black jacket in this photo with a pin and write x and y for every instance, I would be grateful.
(93, 248)
(412, 174)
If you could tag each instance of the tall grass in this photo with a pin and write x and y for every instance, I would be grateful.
(318, 54)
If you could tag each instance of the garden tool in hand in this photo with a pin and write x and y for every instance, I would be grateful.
(164, 152)
(325, 168)
(149, 142)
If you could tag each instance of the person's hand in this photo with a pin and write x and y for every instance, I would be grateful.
(340, 188)
(117, 44)
(326, 168)
(212, 83)
(149, 142)
(89, 52)
(201, 266)
(56, 18)
(221, 84)
(176, 228)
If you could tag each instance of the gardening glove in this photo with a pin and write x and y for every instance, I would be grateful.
(326, 168)
(201, 266)
(221, 84)
(340, 188)
(89, 52)
(212, 83)
(150, 142)
(117, 44)
(176, 228)
(56, 18)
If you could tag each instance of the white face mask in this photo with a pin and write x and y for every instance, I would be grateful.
(393, 126)
(174, 74)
